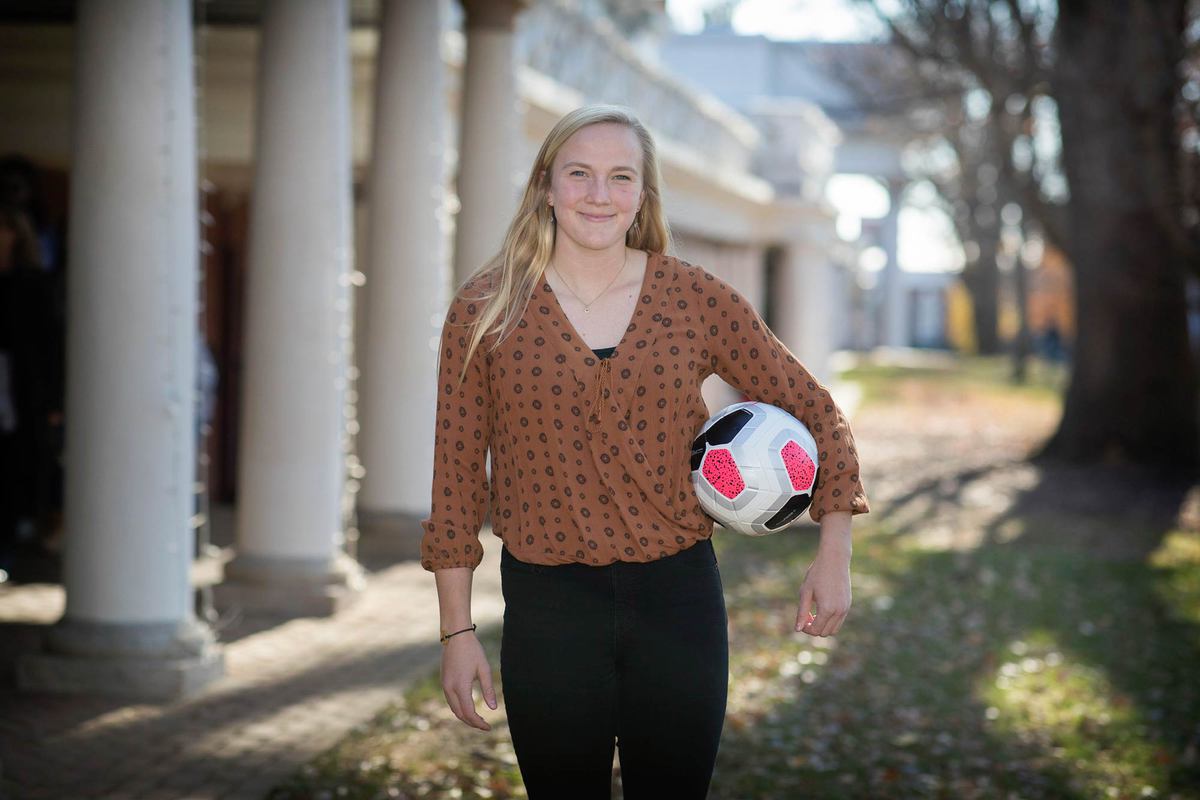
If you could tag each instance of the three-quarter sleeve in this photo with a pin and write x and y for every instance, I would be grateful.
(460, 490)
(748, 355)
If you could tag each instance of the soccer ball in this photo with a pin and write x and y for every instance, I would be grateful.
(754, 467)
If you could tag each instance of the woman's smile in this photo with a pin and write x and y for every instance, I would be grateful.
(596, 217)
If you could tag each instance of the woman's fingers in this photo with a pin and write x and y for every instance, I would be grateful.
(462, 703)
(469, 715)
(822, 623)
(826, 624)
(485, 684)
(452, 700)
(803, 615)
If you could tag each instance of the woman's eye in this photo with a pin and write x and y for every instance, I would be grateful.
(626, 177)
(577, 172)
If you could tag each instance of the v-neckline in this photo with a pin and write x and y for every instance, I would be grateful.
(589, 356)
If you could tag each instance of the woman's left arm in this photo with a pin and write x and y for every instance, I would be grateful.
(748, 356)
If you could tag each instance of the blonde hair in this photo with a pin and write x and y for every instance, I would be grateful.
(529, 242)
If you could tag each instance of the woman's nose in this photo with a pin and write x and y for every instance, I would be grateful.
(598, 192)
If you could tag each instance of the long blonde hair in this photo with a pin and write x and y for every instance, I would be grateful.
(529, 242)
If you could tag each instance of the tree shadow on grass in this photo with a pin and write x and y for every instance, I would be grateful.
(1101, 583)
(907, 703)
(1012, 632)
(1107, 511)
(894, 711)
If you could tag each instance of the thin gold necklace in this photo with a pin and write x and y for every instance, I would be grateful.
(587, 306)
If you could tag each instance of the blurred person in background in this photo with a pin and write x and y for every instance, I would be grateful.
(20, 190)
(30, 378)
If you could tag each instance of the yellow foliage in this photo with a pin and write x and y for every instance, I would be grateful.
(960, 322)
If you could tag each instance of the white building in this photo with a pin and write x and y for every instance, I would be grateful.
(325, 171)
(788, 88)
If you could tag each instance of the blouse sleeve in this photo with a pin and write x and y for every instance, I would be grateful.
(748, 355)
(463, 431)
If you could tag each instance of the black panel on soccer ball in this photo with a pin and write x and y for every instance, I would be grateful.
(791, 509)
(727, 427)
(721, 432)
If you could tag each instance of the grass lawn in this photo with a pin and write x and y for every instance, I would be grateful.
(1017, 631)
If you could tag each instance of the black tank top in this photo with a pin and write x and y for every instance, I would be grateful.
(604, 352)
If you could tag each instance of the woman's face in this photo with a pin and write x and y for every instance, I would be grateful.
(596, 185)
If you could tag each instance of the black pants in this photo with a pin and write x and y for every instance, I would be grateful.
(636, 652)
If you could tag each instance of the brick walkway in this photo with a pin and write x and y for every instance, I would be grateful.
(292, 689)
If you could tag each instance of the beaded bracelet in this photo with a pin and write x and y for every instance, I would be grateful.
(446, 636)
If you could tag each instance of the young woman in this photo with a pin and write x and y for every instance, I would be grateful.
(576, 357)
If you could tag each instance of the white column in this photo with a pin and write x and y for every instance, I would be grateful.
(128, 627)
(805, 304)
(291, 467)
(895, 310)
(487, 179)
(408, 273)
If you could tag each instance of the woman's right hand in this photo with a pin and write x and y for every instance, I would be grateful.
(463, 660)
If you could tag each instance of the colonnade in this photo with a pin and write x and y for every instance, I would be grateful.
(129, 625)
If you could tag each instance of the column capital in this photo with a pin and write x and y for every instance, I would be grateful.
(495, 14)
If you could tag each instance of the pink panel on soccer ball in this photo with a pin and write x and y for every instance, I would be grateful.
(721, 471)
(800, 468)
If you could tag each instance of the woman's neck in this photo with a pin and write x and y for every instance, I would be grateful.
(590, 268)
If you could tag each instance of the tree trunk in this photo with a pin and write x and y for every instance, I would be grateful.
(982, 279)
(1023, 345)
(1132, 395)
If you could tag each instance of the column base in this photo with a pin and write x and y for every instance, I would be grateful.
(389, 536)
(290, 587)
(148, 661)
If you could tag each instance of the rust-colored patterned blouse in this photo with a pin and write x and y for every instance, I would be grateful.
(591, 456)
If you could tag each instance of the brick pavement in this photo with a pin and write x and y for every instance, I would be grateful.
(292, 689)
